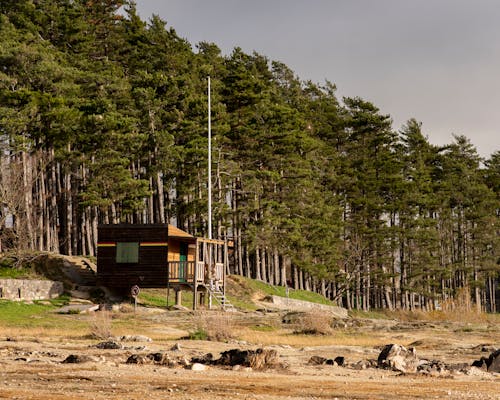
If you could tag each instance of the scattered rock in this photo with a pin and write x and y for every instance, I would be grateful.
(135, 338)
(292, 317)
(340, 361)
(257, 359)
(485, 348)
(78, 309)
(138, 359)
(460, 368)
(482, 363)
(433, 367)
(317, 360)
(109, 345)
(198, 367)
(157, 359)
(176, 347)
(77, 359)
(184, 362)
(474, 371)
(494, 361)
(205, 359)
(490, 364)
(398, 358)
(362, 364)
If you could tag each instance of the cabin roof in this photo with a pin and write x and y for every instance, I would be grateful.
(173, 231)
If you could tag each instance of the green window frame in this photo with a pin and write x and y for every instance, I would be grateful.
(127, 252)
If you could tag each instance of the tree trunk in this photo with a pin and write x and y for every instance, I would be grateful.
(27, 190)
(285, 264)
(263, 264)
(247, 263)
(258, 275)
(295, 272)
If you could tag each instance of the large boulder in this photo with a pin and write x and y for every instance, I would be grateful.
(494, 361)
(78, 359)
(398, 358)
(490, 364)
(256, 359)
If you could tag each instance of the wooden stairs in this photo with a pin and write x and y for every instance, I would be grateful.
(220, 298)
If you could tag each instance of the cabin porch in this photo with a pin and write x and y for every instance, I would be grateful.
(203, 270)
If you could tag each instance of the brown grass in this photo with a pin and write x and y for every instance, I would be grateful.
(315, 322)
(217, 326)
(457, 309)
(34, 334)
(100, 325)
(287, 337)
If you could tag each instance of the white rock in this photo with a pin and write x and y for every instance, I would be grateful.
(198, 367)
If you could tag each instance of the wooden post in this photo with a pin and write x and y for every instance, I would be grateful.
(226, 266)
(195, 279)
(178, 297)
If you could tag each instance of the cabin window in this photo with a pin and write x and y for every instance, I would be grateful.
(127, 252)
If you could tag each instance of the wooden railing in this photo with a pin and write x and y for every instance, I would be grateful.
(219, 272)
(200, 272)
(181, 271)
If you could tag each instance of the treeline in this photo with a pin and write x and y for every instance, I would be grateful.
(103, 119)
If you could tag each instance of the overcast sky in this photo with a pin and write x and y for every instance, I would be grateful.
(434, 60)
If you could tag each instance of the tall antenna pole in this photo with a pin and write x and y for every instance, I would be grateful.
(209, 164)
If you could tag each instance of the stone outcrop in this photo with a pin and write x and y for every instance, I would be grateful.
(494, 362)
(255, 359)
(398, 358)
(24, 289)
(318, 360)
(284, 303)
(490, 364)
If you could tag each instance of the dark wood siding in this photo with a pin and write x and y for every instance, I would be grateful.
(152, 269)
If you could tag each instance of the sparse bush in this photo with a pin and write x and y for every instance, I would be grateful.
(100, 325)
(126, 308)
(459, 308)
(198, 334)
(315, 322)
(216, 326)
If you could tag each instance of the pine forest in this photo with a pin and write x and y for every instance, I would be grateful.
(103, 119)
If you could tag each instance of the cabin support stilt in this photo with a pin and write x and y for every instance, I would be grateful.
(178, 296)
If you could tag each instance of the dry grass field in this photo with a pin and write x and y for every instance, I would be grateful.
(32, 351)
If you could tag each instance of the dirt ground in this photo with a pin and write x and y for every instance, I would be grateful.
(31, 367)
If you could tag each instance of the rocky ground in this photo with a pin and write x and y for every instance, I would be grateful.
(435, 363)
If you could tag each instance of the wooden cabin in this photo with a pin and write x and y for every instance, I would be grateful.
(160, 256)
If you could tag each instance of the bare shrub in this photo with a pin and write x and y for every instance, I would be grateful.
(100, 325)
(126, 308)
(459, 308)
(262, 359)
(256, 359)
(215, 326)
(315, 322)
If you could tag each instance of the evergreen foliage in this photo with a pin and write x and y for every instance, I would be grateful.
(103, 120)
